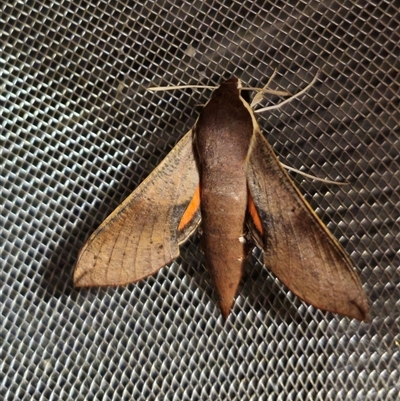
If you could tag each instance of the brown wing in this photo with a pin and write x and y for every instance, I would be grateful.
(142, 235)
(298, 248)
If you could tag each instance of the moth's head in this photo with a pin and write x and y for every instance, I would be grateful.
(228, 90)
(234, 85)
(233, 82)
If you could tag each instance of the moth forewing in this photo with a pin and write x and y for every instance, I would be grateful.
(142, 235)
(298, 248)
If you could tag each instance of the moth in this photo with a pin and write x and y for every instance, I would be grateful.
(224, 176)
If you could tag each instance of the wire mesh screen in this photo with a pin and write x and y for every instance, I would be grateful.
(80, 131)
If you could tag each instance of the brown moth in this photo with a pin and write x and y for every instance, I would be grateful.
(224, 176)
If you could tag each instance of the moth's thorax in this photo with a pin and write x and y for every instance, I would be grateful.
(224, 129)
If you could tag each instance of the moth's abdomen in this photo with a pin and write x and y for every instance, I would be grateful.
(223, 216)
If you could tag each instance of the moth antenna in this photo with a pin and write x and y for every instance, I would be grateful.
(267, 90)
(170, 88)
(260, 90)
(313, 176)
(277, 106)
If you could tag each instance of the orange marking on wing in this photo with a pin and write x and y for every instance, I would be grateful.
(190, 210)
(254, 215)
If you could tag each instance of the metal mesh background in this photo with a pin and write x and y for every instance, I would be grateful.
(79, 131)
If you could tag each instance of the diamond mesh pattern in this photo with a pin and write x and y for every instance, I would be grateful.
(79, 131)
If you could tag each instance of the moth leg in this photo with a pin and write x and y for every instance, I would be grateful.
(260, 94)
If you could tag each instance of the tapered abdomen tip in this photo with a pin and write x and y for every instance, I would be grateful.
(226, 306)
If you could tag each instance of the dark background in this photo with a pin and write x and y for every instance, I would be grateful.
(79, 132)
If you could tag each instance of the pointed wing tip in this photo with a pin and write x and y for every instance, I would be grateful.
(81, 276)
(84, 276)
(360, 311)
(84, 279)
(354, 309)
(80, 279)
